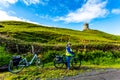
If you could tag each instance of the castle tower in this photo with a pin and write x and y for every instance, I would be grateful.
(86, 26)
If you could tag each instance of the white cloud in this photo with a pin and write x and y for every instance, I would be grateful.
(7, 2)
(29, 2)
(116, 11)
(4, 16)
(91, 10)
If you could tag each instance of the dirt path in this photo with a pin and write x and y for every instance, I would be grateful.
(107, 74)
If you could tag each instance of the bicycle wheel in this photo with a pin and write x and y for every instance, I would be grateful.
(76, 63)
(58, 63)
(16, 68)
(39, 63)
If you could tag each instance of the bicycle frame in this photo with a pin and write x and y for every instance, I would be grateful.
(29, 63)
(34, 57)
(64, 59)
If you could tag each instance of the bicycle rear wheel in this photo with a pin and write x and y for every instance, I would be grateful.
(39, 63)
(76, 63)
(58, 64)
(16, 68)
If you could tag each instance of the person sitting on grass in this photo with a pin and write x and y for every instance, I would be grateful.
(69, 54)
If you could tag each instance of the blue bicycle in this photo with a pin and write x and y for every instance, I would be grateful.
(18, 63)
(59, 61)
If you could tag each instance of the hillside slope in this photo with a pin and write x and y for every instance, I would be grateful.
(28, 32)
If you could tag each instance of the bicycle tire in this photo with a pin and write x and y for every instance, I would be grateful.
(39, 63)
(58, 64)
(16, 69)
(76, 63)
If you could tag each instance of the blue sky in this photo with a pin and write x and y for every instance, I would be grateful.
(102, 15)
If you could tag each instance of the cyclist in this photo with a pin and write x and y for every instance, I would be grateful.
(69, 53)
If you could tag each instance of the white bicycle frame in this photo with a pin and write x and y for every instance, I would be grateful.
(34, 57)
(29, 63)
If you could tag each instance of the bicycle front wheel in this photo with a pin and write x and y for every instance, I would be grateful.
(16, 68)
(76, 63)
(39, 63)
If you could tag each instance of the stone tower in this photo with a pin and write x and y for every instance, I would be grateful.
(86, 26)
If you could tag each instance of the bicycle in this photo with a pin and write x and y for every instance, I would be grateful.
(18, 63)
(59, 61)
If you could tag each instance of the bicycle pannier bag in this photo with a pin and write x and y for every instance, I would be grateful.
(16, 60)
(58, 58)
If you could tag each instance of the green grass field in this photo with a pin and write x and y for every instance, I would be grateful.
(27, 32)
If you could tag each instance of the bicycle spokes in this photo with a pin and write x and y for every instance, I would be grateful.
(76, 63)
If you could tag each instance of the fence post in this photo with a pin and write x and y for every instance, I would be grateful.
(33, 49)
(17, 48)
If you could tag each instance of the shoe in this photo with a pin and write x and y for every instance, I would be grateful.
(68, 68)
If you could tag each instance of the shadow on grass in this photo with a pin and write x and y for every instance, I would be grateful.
(84, 68)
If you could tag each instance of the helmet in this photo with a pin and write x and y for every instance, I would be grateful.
(68, 43)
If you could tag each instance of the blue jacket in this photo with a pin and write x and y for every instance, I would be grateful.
(69, 51)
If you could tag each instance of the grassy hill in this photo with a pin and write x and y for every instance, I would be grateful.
(28, 32)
